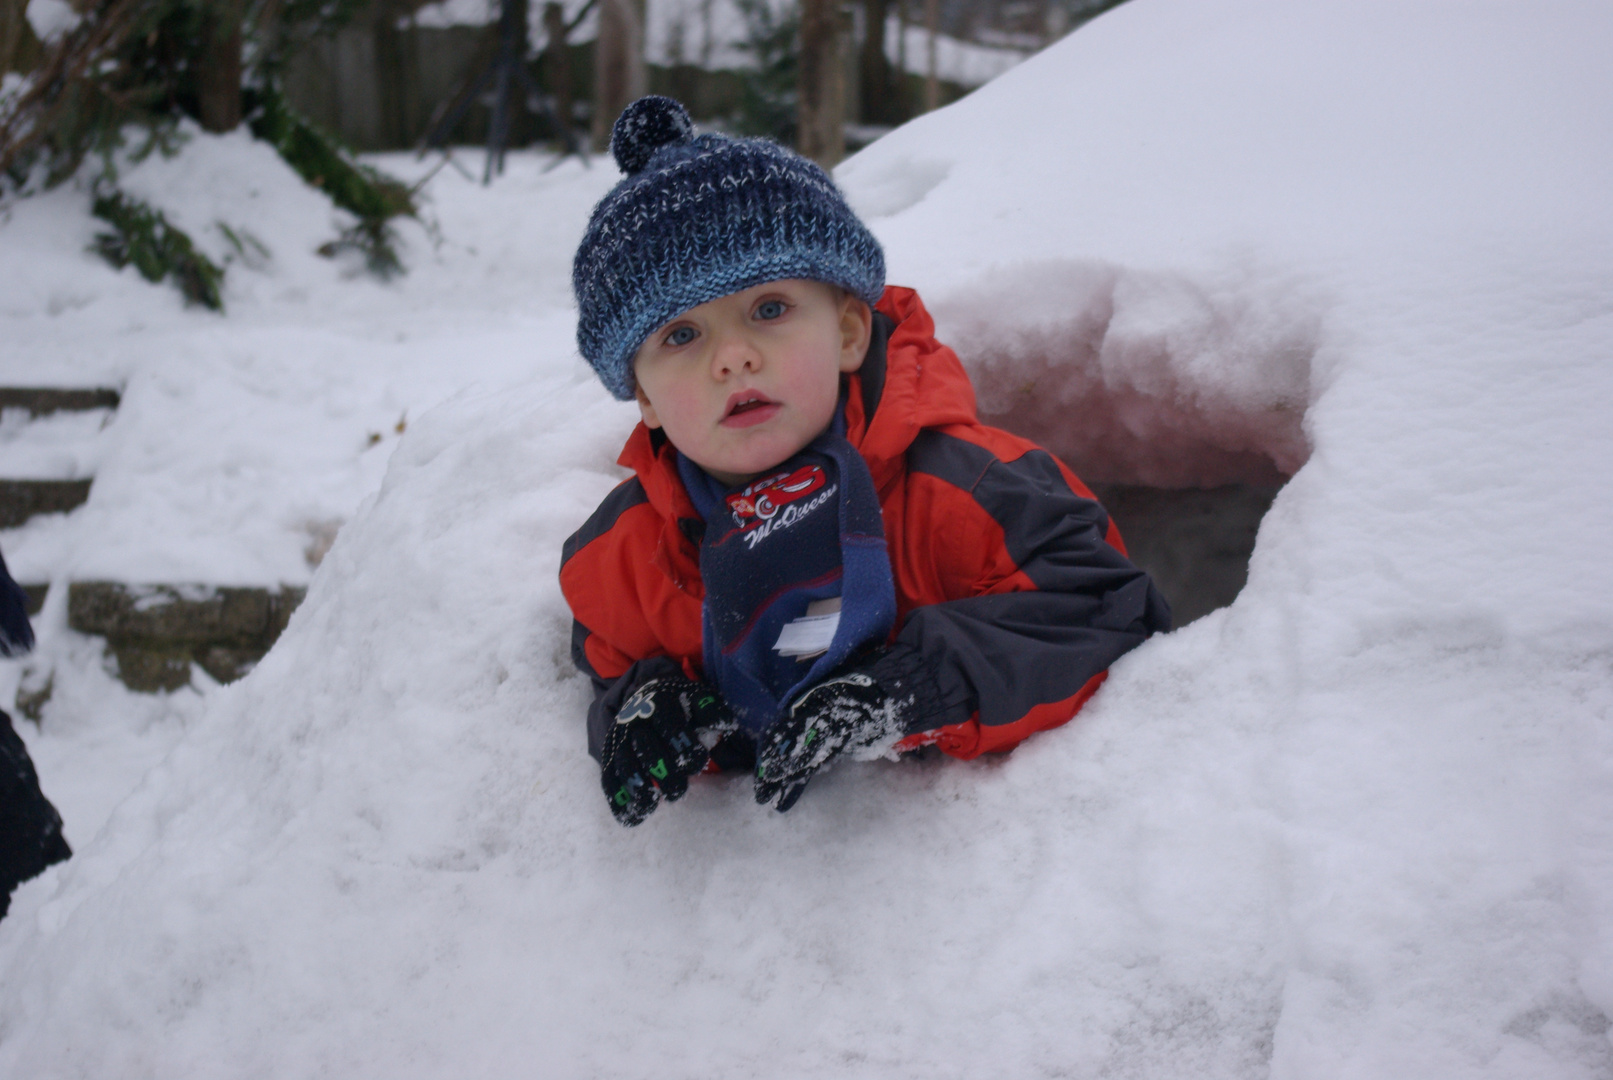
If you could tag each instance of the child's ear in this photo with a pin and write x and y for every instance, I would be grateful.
(645, 409)
(856, 328)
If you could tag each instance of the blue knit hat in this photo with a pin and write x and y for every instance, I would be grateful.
(698, 217)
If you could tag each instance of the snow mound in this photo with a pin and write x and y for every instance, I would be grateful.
(242, 438)
(396, 811)
(1355, 825)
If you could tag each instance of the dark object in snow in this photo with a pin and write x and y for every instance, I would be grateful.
(158, 249)
(30, 828)
(16, 636)
(847, 712)
(46, 400)
(654, 746)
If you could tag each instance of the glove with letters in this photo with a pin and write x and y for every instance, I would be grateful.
(654, 746)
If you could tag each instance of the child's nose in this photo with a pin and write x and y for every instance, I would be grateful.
(734, 355)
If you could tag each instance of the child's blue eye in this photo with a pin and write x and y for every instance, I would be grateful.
(681, 336)
(770, 309)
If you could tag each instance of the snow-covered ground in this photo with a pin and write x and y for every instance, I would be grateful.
(241, 437)
(1356, 825)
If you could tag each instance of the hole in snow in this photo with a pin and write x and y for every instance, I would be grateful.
(1180, 403)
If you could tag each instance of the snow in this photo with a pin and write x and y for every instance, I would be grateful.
(60, 446)
(706, 33)
(1355, 825)
(966, 63)
(446, 13)
(50, 17)
(258, 428)
(709, 34)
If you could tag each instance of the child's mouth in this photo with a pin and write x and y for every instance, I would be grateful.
(746, 409)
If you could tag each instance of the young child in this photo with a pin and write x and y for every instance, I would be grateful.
(822, 551)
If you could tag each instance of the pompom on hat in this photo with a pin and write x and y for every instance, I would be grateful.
(698, 217)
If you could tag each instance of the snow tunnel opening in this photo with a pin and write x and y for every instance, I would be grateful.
(1180, 401)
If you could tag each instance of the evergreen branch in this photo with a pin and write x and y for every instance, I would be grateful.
(71, 65)
(157, 248)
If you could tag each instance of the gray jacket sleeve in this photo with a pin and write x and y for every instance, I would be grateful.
(1001, 655)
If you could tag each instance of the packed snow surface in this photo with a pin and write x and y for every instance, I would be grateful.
(1360, 824)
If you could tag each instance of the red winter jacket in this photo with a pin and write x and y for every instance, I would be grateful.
(1013, 591)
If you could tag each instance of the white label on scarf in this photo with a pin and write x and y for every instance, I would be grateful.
(811, 634)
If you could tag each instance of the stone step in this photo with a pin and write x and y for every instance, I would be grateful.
(157, 631)
(43, 400)
(23, 499)
(36, 595)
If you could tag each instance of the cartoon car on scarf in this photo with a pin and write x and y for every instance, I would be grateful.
(764, 498)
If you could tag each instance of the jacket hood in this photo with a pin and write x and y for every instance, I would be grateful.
(909, 382)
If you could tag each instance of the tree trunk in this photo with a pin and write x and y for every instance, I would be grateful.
(19, 46)
(820, 104)
(904, 94)
(13, 17)
(878, 103)
(557, 67)
(218, 68)
(397, 75)
(619, 73)
(932, 79)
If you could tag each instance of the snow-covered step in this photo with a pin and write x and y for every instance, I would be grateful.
(45, 400)
(22, 499)
(50, 446)
(36, 595)
(157, 632)
(48, 439)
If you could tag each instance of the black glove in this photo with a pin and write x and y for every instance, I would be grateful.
(843, 713)
(16, 637)
(654, 746)
(30, 828)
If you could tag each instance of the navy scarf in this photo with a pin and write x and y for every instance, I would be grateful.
(808, 530)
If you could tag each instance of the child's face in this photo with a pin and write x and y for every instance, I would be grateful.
(745, 381)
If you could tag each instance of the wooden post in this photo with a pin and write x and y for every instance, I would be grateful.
(557, 66)
(904, 107)
(932, 79)
(19, 47)
(821, 106)
(218, 68)
(395, 75)
(876, 69)
(619, 73)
